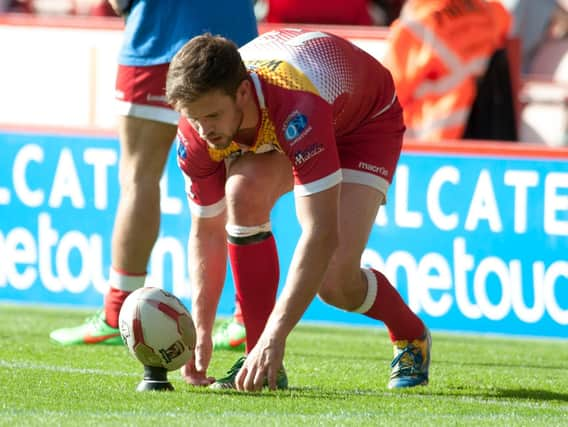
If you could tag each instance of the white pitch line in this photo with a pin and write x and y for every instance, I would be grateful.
(40, 367)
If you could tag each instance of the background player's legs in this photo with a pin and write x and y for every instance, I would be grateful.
(145, 145)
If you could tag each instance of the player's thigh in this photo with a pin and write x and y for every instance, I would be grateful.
(147, 124)
(145, 144)
(254, 184)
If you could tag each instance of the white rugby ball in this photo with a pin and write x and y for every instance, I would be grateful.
(157, 328)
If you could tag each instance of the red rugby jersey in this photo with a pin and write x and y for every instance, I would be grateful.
(310, 87)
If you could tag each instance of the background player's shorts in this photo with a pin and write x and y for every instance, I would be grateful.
(141, 92)
(369, 154)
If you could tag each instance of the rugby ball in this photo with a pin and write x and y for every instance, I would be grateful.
(157, 328)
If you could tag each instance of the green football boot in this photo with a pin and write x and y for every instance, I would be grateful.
(95, 330)
(228, 382)
(230, 335)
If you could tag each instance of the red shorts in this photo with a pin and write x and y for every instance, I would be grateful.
(141, 92)
(369, 154)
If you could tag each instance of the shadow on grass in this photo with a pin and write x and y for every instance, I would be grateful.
(496, 393)
(507, 365)
(369, 357)
(300, 392)
(532, 394)
(320, 393)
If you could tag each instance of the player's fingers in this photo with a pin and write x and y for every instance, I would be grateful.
(249, 380)
(206, 381)
(271, 376)
(248, 383)
(198, 381)
(240, 379)
(258, 380)
(186, 369)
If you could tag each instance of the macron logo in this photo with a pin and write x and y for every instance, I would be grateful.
(373, 168)
(156, 98)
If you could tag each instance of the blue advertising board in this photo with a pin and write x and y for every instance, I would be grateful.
(473, 242)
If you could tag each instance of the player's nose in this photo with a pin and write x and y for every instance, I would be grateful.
(206, 130)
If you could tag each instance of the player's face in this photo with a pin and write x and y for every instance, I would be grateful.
(216, 116)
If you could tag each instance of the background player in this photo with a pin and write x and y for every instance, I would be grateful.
(154, 31)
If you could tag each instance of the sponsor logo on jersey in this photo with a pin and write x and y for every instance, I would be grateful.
(374, 168)
(156, 98)
(269, 64)
(307, 153)
(295, 127)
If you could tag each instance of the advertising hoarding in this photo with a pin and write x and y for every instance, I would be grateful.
(473, 242)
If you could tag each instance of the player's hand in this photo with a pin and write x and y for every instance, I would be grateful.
(261, 364)
(194, 372)
(194, 377)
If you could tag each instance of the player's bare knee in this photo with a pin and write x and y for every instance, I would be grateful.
(328, 294)
(331, 291)
(247, 202)
(138, 184)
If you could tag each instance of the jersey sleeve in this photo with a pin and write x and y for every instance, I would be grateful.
(204, 178)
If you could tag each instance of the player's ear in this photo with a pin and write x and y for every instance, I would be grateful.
(244, 90)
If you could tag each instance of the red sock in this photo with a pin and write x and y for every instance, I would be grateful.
(113, 301)
(121, 285)
(390, 308)
(256, 273)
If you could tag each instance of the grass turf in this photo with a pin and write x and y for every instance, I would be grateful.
(337, 375)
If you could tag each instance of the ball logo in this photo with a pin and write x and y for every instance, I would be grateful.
(295, 125)
(173, 351)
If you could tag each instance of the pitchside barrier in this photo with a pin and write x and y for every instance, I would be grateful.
(474, 235)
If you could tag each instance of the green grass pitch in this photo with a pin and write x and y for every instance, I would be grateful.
(338, 377)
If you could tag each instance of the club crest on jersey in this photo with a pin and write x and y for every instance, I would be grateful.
(295, 126)
(307, 153)
(181, 150)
